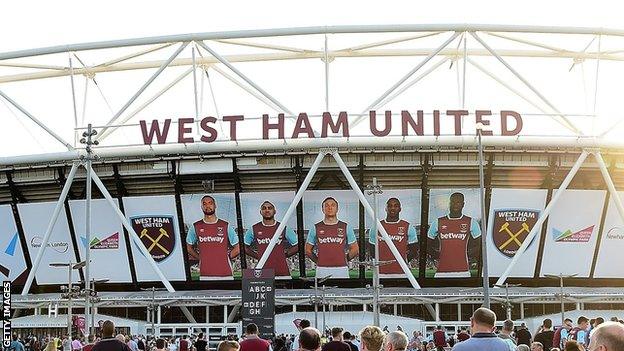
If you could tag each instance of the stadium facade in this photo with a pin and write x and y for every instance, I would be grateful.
(549, 179)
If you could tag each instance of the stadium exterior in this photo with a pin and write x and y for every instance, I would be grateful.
(566, 156)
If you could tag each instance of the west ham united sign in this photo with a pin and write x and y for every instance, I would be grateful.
(511, 227)
(157, 234)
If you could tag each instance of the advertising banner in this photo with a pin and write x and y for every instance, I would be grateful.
(155, 220)
(609, 263)
(513, 213)
(331, 221)
(399, 212)
(258, 301)
(12, 261)
(454, 234)
(262, 214)
(107, 240)
(35, 218)
(211, 237)
(572, 233)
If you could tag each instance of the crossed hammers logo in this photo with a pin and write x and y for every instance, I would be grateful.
(155, 242)
(513, 237)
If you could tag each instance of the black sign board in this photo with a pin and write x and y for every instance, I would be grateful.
(258, 297)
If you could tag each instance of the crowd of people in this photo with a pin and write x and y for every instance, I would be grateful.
(586, 335)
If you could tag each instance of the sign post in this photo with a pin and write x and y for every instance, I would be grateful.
(258, 300)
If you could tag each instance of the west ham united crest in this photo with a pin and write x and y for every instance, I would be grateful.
(157, 234)
(511, 227)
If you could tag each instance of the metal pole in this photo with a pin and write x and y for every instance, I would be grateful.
(92, 322)
(153, 310)
(326, 77)
(561, 299)
(463, 100)
(316, 302)
(508, 304)
(376, 189)
(73, 90)
(486, 277)
(88, 134)
(610, 185)
(69, 300)
(48, 233)
(543, 217)
(323, 303)
(195, 84)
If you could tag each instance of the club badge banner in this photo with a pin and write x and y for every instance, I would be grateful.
(154, 219)
(513, 214)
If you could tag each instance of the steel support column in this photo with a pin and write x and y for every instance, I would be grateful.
(46, 237)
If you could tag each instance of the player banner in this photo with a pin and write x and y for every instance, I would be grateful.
(608, 264)
(262, 214)
(154, 219)
(331, 221)
(399, 212)
(258, 301)
(211, 238)
(107, 241)
(513, 213)
(12, 261)
(454, 233)
(572, 233)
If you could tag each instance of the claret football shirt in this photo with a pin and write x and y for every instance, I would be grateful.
(213, 240)
(260, 235)
(402, 234)
(331, 241)
(454, 234)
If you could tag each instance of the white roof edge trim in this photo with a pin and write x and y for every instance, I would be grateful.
(396, 142)
(350, 29)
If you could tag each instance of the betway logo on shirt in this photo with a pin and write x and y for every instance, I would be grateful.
(266, 241)
(331, 240)
(397, 238)
(450, 236)
(211, 239)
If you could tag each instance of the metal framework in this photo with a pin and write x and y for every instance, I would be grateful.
(225, 51)
(440, 37)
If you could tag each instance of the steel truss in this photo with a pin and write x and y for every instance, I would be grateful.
(380, 48)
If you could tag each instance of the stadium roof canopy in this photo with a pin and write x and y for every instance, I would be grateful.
(565, 82)
(337, 296)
